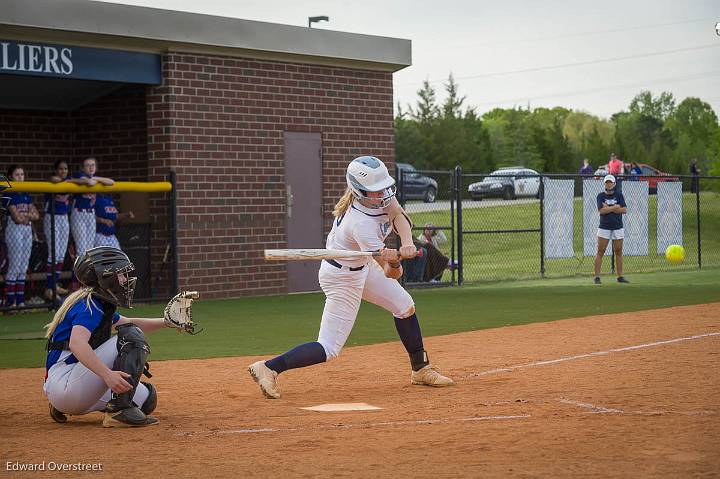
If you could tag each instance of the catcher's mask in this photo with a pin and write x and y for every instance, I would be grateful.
(107, 271)
(4, 200)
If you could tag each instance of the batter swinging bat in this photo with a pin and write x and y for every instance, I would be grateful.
(310, 254)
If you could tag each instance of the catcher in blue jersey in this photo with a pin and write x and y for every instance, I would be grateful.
(89, 369)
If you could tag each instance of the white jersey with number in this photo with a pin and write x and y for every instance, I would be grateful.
(359, 229)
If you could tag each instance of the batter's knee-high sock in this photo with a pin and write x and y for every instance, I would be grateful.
(409, 331)
(10, 293)
(300, 356)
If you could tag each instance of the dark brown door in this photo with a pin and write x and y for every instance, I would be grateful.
(303, 192)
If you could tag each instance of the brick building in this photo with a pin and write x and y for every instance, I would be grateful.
(257, 120)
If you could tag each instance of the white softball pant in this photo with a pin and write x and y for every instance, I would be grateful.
(18, 239)
(74, 389)
(344, 290)
(82, 224)
(62, 234)
(102, 240)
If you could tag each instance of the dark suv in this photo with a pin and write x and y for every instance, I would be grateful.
(414, 185)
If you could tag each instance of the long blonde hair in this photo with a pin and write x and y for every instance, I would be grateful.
(65, 307)
(343, 203)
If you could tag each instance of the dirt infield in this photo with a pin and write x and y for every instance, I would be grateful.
(622, 395)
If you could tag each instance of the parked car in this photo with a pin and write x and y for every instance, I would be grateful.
(650, 174)
(416, 186)
(507, 183)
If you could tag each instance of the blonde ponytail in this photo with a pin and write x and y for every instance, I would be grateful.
(65, 307)
(343, 203)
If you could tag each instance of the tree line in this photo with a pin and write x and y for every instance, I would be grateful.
(654, 129)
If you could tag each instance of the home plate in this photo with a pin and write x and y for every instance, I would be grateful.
(348, 406)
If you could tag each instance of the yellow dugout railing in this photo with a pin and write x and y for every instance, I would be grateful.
(155, 283)
(65, 187)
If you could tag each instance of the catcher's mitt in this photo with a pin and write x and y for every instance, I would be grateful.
(178, 312)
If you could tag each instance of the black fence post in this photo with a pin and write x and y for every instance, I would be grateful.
(453, 185)
(399, 174)
(173, 233)
(53, 299)
(697, 212)
(458, 192)
(542, 226)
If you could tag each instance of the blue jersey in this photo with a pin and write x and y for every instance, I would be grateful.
(611, 221)
(21, 202)
(62, 203)
(105, 208)
(84, 201)
(78, 314)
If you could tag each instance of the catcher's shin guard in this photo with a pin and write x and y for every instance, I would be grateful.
(151, 402)
(133, 352)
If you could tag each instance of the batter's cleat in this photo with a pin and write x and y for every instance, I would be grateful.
(429, 376)
(128, 417)
(266, 379)
(621, 279)
(597, 280)
(57, 416)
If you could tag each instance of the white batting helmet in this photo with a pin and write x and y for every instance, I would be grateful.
(369, 174)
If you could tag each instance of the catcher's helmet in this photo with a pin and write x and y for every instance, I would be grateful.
(106, 270)
(369, 174)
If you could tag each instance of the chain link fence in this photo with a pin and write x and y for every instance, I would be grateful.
(429, 197)
(518, 224)
(43, 234)
(500, 226)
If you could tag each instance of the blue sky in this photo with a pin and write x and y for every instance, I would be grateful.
(585, 55)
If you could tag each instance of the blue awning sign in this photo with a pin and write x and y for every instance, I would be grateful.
(64, 61)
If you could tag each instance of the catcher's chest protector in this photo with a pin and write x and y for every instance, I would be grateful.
(102, 332)
(99, 336)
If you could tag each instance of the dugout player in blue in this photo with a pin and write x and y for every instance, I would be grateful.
(611, 206)
(18, 238)
(62, 227)
(82, 218)
(106, 215)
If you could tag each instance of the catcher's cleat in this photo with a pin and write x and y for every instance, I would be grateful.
(128, 417)
(429, 376)
(266, 379)
(57, 416)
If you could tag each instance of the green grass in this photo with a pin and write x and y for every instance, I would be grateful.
(492, 257)
(268, 325)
